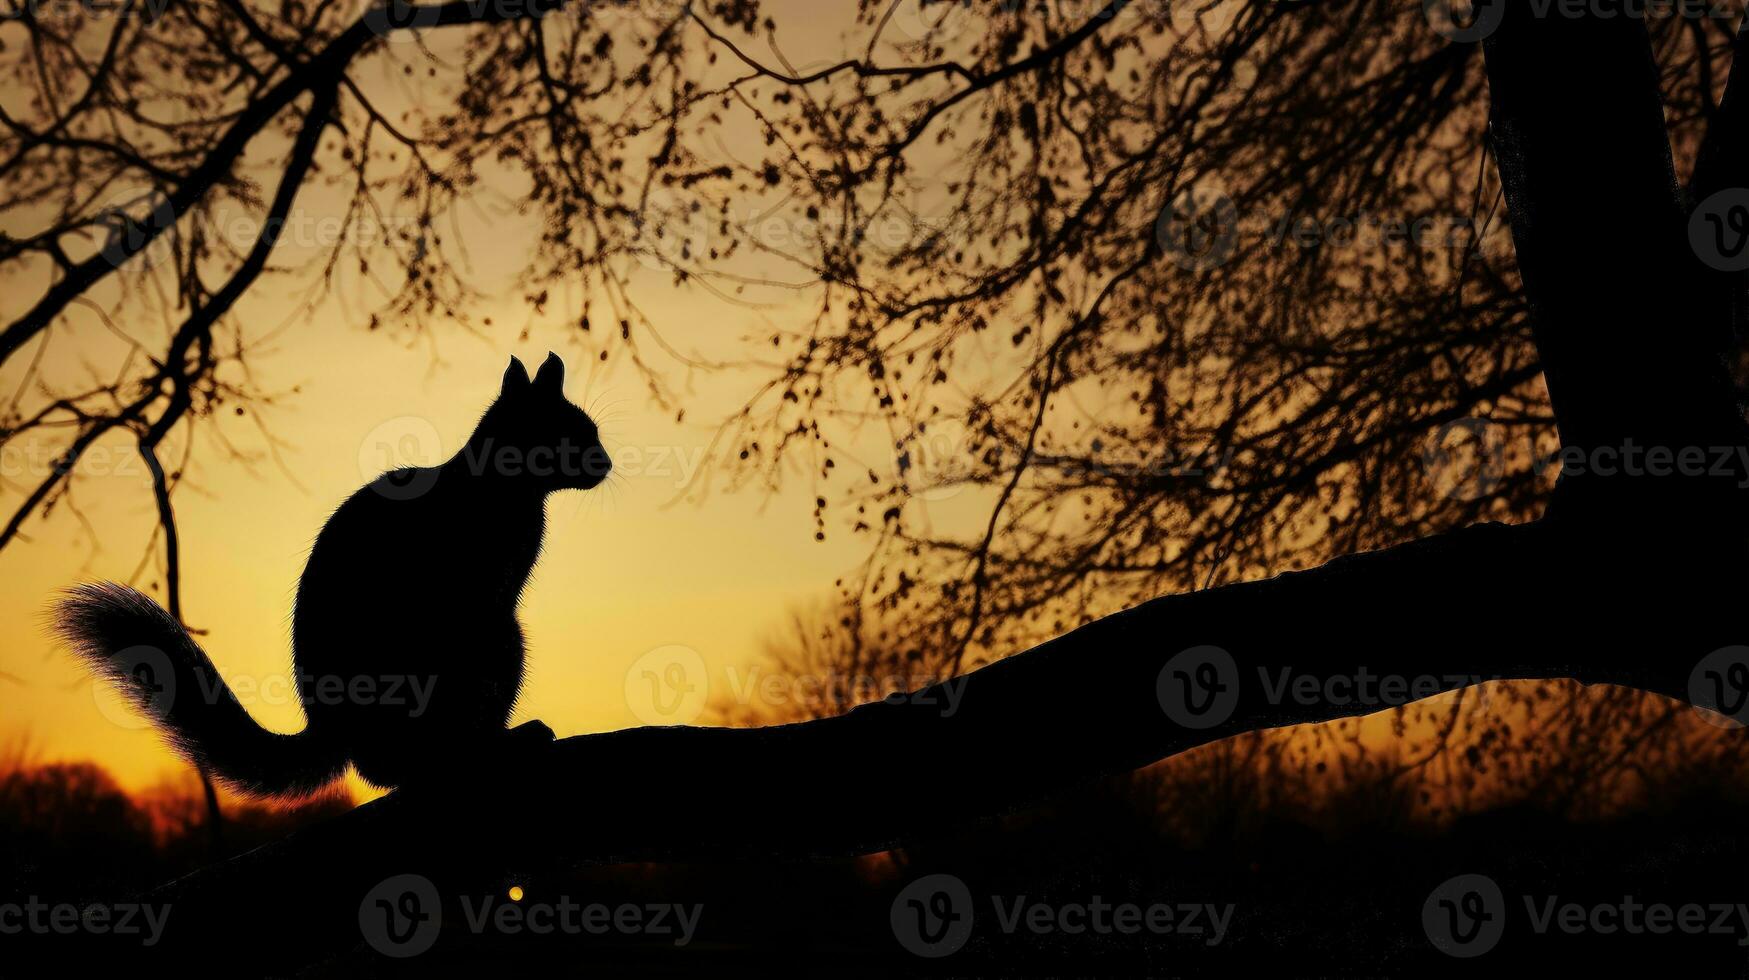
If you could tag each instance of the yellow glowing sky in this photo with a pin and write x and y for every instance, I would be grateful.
(623, 572)
(626, 569)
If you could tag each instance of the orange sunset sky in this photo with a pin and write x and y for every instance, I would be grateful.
(673, 558)
(666, 555)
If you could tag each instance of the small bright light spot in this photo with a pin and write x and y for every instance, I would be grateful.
(516, 893)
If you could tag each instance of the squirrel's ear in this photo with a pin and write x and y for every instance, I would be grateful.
(515, 378)
(551, 376)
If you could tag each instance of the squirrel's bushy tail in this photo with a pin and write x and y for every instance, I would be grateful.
(125, 636)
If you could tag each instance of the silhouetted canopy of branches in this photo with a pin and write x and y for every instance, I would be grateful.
(1164, 295)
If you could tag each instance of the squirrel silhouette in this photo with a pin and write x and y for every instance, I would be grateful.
(406, 648)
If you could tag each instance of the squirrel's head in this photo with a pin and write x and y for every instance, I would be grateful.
(532, 434)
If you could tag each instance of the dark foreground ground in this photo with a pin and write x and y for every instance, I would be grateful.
(1663, 891)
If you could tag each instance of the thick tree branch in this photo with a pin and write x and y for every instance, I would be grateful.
(1036, 724)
